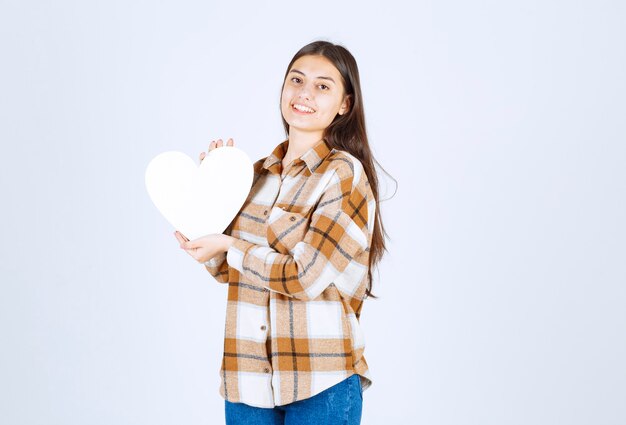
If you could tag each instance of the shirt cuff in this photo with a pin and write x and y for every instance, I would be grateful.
(236, 253)
(215, 261)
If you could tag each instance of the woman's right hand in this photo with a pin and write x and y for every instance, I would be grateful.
(216, 144)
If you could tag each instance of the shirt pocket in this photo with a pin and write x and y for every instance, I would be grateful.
(285, 228)
(250, 224)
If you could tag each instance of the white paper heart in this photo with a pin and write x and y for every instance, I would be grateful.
(199, 200)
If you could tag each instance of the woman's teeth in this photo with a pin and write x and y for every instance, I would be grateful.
(303, 108)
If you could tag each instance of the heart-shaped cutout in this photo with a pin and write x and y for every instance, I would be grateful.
(199, 200)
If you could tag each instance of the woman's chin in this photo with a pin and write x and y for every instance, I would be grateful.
(303, 124)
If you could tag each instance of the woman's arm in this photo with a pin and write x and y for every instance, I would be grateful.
(335, 243)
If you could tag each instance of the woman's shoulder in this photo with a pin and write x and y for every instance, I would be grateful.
(345, 165)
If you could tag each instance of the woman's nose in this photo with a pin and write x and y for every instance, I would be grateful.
(305, 93)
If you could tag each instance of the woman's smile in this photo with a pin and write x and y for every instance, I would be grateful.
(302, 109)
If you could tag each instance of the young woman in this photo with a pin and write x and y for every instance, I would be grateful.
(298, 257)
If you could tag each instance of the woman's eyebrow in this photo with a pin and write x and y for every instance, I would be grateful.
(321, 77)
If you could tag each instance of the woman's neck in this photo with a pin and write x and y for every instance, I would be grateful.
(299, 143)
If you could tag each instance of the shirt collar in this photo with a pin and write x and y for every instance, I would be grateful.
(312, 158)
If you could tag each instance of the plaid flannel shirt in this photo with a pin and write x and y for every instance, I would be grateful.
(296, 278)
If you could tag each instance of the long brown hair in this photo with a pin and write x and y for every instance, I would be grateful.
(347, 132)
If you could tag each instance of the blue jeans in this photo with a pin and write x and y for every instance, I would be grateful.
(340, 404)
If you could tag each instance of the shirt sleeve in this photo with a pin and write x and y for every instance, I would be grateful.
(218, 267)
(335, 243)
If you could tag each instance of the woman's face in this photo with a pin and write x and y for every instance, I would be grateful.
(312, 95)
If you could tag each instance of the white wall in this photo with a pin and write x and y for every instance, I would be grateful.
(502, 298)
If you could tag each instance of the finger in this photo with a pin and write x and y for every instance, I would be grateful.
(212, 146)
(189, 245)
(181, 237)
(202, 155)
(220, 143)
(230, 142)
(182, 242)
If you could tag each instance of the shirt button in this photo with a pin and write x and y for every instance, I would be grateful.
(266, 370)
(292, 218)
(263, 327)
(265, 212)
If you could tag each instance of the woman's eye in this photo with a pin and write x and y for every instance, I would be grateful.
(323, 86)
(295, 80)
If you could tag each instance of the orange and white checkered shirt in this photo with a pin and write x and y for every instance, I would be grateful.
(296, 278)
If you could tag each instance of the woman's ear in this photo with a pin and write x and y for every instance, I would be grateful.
(345, 105)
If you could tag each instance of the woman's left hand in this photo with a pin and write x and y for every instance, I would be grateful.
(206, 247)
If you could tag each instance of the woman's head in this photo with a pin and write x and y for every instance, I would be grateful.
(335, 108)
(313, 95)
(331, 60)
